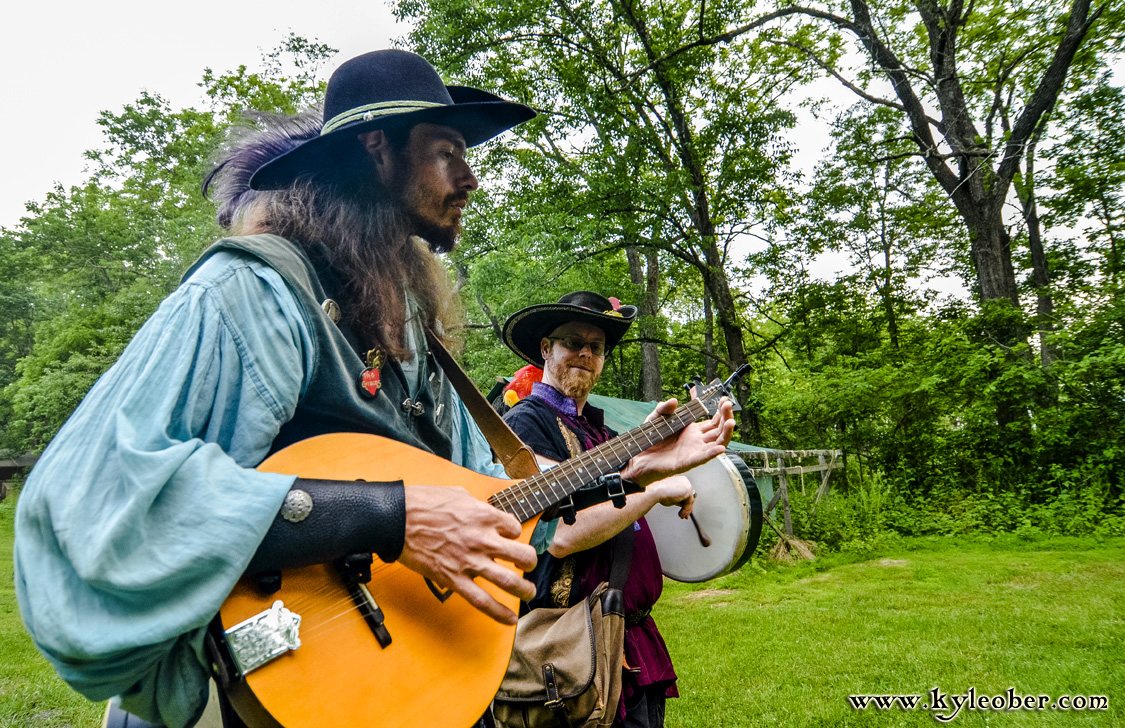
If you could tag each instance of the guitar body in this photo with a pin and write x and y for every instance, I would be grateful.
(446, 659)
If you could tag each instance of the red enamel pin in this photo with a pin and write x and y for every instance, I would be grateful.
(369, 380)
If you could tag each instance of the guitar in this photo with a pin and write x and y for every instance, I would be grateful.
(389, 648)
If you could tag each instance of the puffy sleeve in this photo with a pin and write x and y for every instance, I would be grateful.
(145, 509)
(471, 450)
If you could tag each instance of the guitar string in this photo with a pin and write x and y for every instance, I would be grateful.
(315, 596)
(510, 501)
(327, 616)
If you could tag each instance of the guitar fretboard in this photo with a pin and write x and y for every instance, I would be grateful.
(536, 494)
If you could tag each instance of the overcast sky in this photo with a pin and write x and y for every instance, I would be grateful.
(66, 61)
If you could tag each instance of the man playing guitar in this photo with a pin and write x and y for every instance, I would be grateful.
(146, 509)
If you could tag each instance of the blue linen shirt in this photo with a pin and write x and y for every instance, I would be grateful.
(145, 509)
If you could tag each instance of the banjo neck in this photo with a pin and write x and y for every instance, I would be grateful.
(531, 496)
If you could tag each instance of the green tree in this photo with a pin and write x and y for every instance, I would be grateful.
(635, 147)
(1089, 175)
(91, 263)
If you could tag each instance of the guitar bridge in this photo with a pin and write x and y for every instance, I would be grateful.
(355, 570)
(263, 638)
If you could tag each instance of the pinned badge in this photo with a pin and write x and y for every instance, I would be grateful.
(332, 309)
(370, 380)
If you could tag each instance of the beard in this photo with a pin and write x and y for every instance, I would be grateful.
(411, 200)
(442, 238)
(574, 383)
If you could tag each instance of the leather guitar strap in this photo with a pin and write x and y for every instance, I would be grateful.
(517, 458)
(622, 557)
(620, 561)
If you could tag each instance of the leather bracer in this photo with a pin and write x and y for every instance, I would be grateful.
(323, 520)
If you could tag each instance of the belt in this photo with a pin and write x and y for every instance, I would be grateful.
(635, 618)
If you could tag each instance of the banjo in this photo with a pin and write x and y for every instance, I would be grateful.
(728, 509)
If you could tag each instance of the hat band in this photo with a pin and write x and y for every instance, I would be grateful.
(369, 112)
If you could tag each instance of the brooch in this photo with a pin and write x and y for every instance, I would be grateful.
(370, 380)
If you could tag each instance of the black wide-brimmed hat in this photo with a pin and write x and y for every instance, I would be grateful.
(383, 90)
(525, 329)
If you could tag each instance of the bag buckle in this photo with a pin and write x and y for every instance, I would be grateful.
(554, 702)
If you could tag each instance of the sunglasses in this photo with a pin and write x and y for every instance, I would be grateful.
(577, 344)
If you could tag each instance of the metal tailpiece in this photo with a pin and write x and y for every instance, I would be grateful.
(263, 638)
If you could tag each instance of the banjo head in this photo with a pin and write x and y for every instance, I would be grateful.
(729, 510)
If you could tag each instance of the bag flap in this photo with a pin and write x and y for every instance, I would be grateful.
(563, 637)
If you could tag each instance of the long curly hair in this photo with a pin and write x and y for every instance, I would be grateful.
(352, 214)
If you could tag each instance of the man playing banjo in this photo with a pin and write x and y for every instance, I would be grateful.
(569, 340)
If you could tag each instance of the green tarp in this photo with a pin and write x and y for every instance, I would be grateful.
(625, 414)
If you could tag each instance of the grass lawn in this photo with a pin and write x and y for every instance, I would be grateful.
(787, 645)
(31, 694)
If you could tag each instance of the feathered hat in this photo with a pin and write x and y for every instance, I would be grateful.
(383, 90)
(525, 329)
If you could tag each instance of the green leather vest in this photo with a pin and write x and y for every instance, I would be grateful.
(334, 400)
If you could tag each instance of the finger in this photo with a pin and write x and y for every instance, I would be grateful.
(520, 554)
(709, 430)
(508, 525)
(723, 412)
(481, 600)
(509, 580)
(663, 409)
(715, 450)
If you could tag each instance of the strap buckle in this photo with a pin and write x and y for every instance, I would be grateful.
(567, 510)
(614, 488)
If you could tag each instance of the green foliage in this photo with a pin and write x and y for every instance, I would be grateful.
(288, 82)
(1089, 175)
(644, 141)
(88, 265)
(649, 139)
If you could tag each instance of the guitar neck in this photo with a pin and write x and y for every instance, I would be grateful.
(533, 495)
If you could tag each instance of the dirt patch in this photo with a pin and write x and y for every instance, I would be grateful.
(892, 562)
(706, 593)
(826, 576)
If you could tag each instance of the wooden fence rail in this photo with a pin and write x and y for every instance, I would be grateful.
(827, 461)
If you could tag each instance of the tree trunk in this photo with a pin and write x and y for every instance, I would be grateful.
(991, 252)
(885, 243)
(699, 206)
(710, 366)
(716, 281)
(646, 272)
(1040, 270)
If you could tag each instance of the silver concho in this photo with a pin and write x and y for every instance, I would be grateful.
(332, 309)
(297, 506)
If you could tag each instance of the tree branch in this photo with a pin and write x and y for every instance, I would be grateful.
(674, 345)
(735, 32)
(1047, 92)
